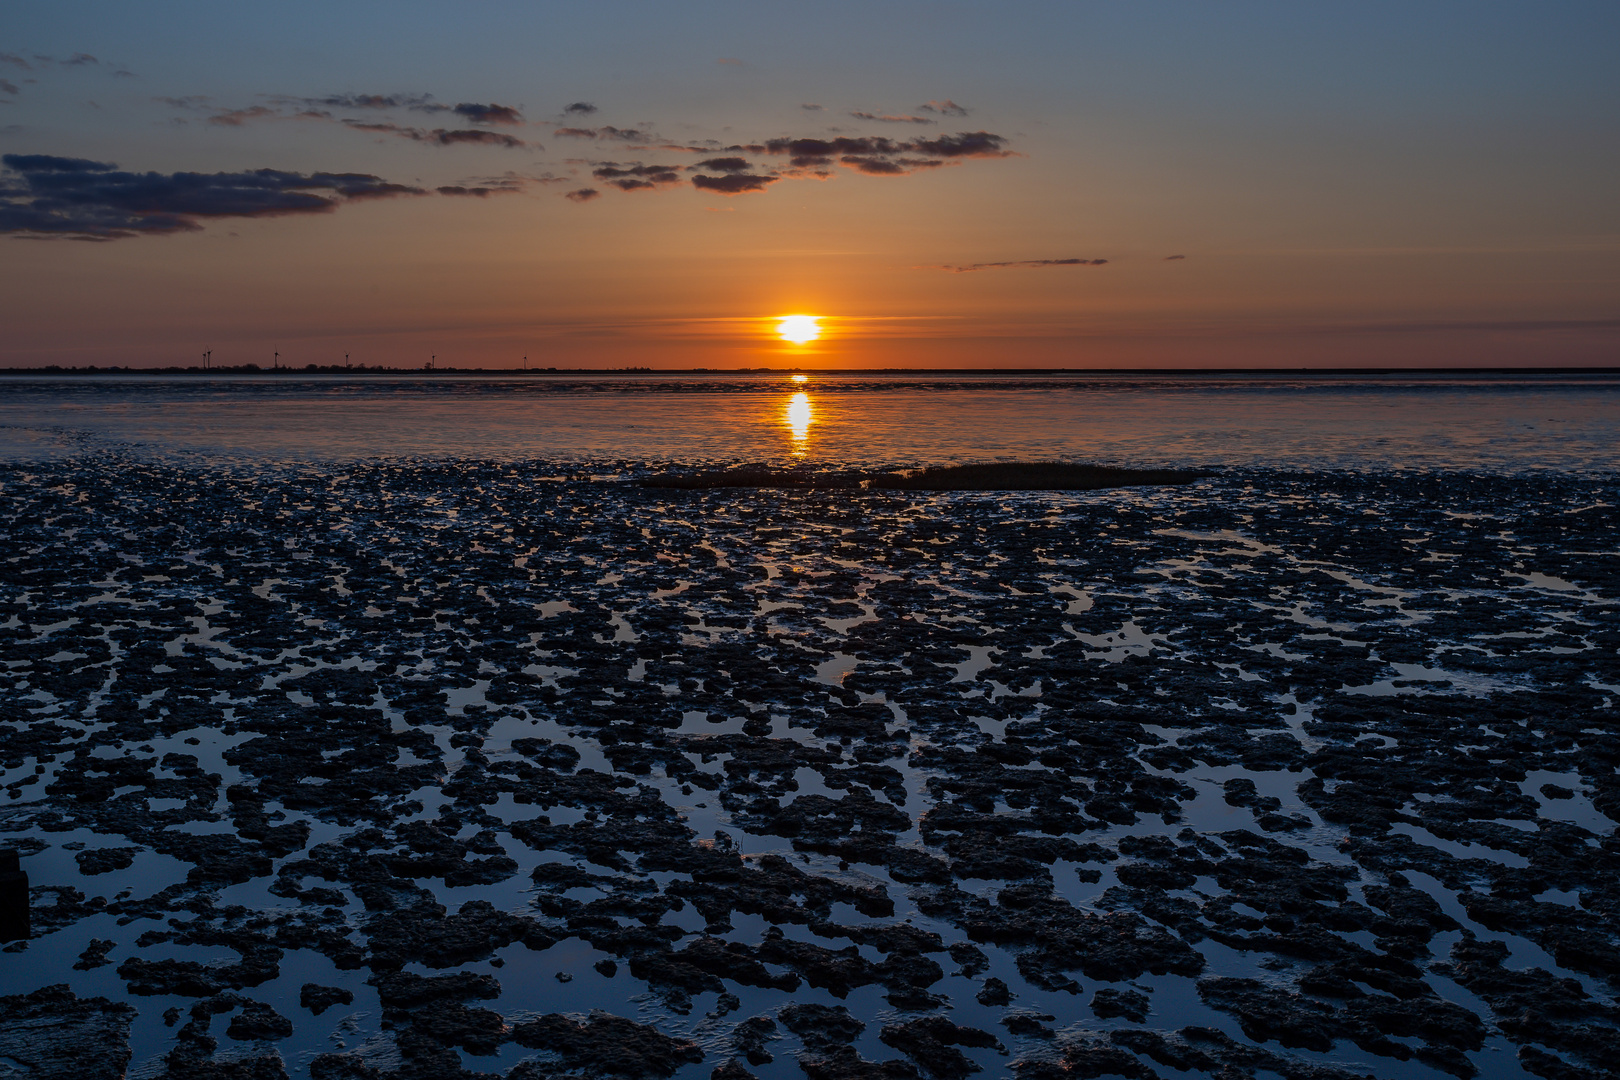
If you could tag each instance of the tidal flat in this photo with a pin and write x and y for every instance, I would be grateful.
(451, 768)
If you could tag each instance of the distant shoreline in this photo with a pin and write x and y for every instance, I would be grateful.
(363, 371)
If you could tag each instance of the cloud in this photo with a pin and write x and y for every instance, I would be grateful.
(583, 195)
(8, 87)
(579, 108)
(876, 155)
(888, 118)
(1173, 258)
(734, 184)
(79, 60)
(629, 135)
(486, 138)
(238, 117)
(15, 60)
(77, 198)
(635, 177)
(510, 184)
(810, 108)
(488, 114)
(944, 108)
(978, 144)
(1017, 264)
(441, 136)
(882, 166)
(415, 102)
(722, 165)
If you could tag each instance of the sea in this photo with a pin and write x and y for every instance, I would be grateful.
(1497, 422)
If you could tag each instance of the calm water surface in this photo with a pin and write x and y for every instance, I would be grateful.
(1489, 422)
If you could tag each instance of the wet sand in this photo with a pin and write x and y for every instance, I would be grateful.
(405, 769)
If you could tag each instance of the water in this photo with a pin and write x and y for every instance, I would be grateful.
(1482, 422)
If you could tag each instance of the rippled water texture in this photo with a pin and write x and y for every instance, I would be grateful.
(1490, 423)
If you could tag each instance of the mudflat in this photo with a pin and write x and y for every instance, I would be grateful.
(445, 768)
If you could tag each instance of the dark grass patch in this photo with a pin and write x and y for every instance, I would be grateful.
(984, 476)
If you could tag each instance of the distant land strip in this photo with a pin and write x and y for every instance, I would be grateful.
(381, 369)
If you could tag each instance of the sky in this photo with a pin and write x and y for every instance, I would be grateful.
(951, 185)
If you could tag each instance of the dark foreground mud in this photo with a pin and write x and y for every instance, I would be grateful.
(984, 476)
(428, 770)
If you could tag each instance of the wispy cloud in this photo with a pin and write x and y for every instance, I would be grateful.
(238, 117)
(441, 136)
(583, 195)
(944, 108)
(579, 108)
(891, 118)
(76, 198)
(1016, 264)
(609, 132)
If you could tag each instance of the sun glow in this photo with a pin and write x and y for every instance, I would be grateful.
(799, 329)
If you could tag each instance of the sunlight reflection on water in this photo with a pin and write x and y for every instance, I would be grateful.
(1494, 424)
(798, 419)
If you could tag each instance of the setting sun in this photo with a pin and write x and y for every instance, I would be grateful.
(799, 329)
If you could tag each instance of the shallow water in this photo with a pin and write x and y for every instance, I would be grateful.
(1496, 423)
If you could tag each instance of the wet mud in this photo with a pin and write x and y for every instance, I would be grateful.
(438, 769)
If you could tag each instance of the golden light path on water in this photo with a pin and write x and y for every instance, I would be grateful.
(798, 421)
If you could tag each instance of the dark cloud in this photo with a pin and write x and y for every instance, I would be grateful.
(13, 59)
(883, 166)
(79, 60)
(607, 131)
(509, 184)
(723, 165)
(1173, 258)
(415, 102)
(8, 87)
(734, 184)
(635, 177)
(485, 138)
(810, 108)
(889, 118)
(440, 136)
(479, 190)
(978, 144)
(944, 108)
(880, 156)
(488, 114)
(76, 198)
(583, 195)
(1019, 263)
(580, 108)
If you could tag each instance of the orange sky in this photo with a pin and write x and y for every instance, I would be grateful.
(1362, 188)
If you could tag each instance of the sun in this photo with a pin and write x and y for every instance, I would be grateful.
(799, 329)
